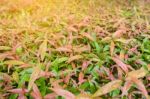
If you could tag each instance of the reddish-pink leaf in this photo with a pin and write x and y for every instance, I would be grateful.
(140, 86)
(118, 33)
(81, 78)
(55, 84)
(50, 96)
(88, 36)
(36, 93)
(133, 49)
(61, 92)
(18, 91)
(108, 72)
(85, 64)
(121, 64)
(148, 78)
(76, 57)
(63, 49)
(126, 87)
(45, 74)
(21, 96)
(67, 78)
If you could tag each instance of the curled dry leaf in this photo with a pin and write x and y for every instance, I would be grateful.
(34, 76)
(74, 58)
(64, 93)
(108, 88)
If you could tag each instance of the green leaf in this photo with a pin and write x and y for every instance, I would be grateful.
(13, 62)
(4, 48)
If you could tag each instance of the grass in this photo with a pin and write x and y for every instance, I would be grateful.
(89, 49)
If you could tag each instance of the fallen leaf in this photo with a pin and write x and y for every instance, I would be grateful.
(108, 88)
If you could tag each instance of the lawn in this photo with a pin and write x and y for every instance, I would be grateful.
(74, 49)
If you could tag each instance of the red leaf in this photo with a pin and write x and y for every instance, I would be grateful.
(121, 64)
(64, 93)
(140, 86)
(64, 49)
(81, 78)
(118, 33)
(50, 96)
(109, 73)
(88, 36)
(126, 87)
(67, 78)
(36, 93)
(18, 91)
(85, 64)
